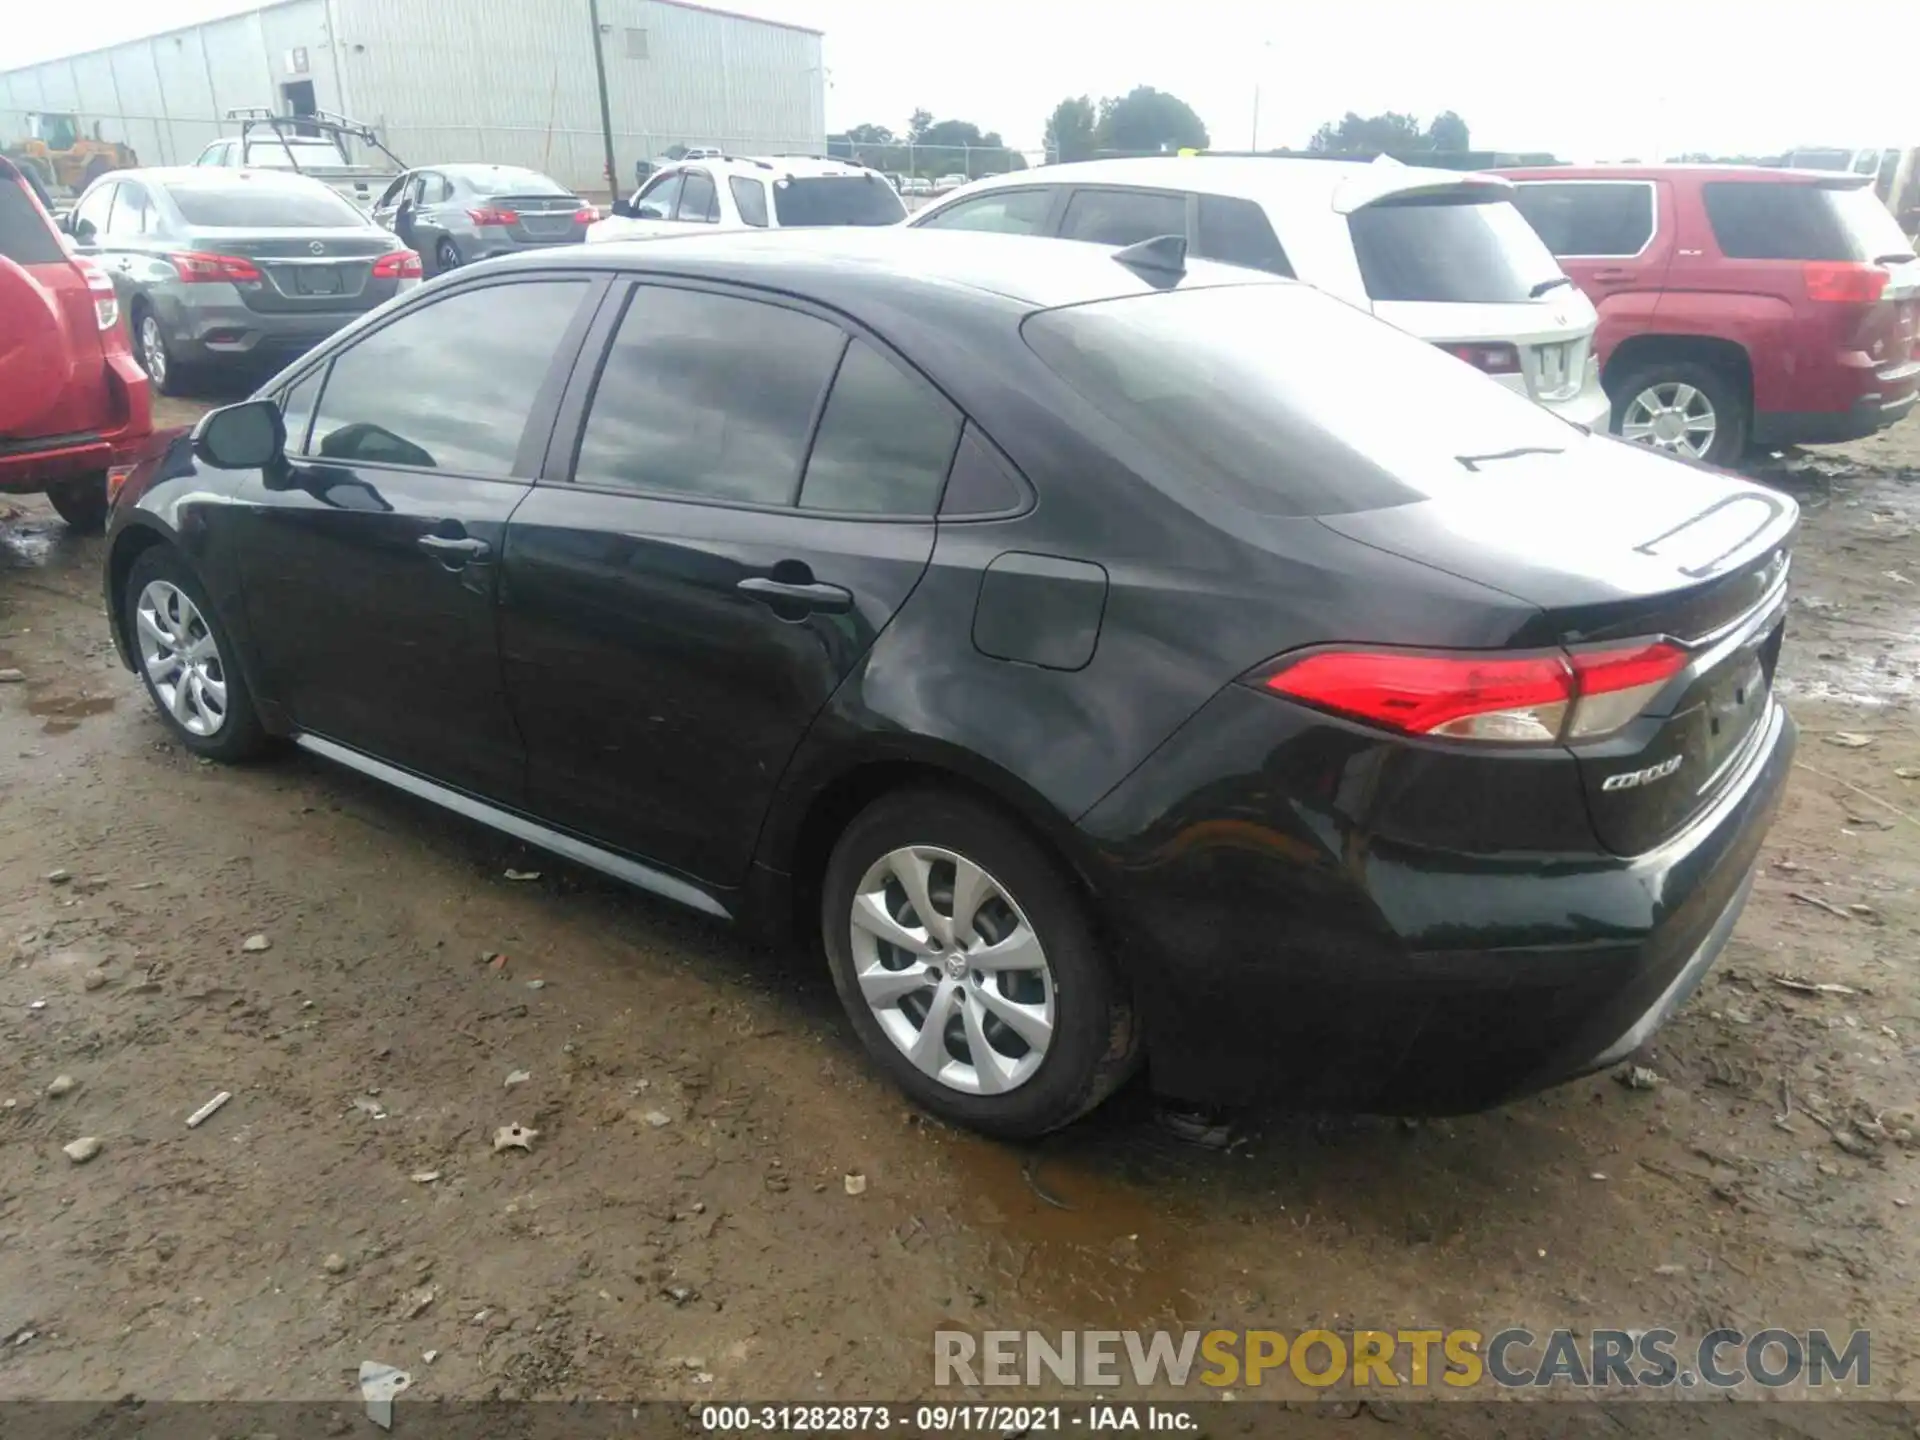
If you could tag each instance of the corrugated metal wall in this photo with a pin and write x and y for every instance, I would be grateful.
(509, 81)
(512, 81)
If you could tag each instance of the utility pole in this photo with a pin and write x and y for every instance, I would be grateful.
(606, 110)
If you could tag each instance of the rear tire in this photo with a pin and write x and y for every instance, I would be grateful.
(184, 656)
(446, 256)
(154, 355)
(1684, 408)
(81, 503)
(1035, 1026)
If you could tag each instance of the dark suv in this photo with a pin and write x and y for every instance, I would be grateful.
(73, 405)
(1738, 307)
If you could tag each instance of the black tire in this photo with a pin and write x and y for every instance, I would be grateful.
(81, 503)
(446, 256)
(1094, 1045)
(1720, 388)
(165, 374)
(239, 736)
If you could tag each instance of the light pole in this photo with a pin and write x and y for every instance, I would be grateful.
(606, 111)
(1259, 67)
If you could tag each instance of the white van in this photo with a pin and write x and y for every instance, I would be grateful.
(1440, 253)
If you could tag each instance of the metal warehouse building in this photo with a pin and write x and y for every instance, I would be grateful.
(508, 81)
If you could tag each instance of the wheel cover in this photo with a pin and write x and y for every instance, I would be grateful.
(1671, 416)
(153, 348)
(952, 970)
(449, 257)
(181, 658)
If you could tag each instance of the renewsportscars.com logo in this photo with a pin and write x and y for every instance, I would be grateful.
(1514, 1358)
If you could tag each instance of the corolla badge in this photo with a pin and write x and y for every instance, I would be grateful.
(1634, 779)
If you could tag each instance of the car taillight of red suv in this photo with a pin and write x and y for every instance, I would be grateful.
(73, 404)
(1740, 308)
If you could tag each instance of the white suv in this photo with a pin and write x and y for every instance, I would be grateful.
(1439, 253)
(755, 192)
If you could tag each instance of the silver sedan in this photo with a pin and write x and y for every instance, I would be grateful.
(454, 214)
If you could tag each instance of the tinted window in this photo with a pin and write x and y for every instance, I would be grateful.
(296, 408)
(698, 200)
(1008, 212)
(1201, 393)
(750, 197)
(93, 209)
(25, 236)
(304, 155)
(1756, 221)
(1237, 231)
(886, 439)
(263, 204)
(132, 215)
(1449, 248)
(656, 202)
(837, 200)
(448, 386)
(1123, 217)
(434, 189)
(707, 395)
(1589, 219)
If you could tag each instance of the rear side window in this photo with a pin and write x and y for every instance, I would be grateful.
(837, 200)
(25, 236)
(1006, 212)
(1589, 219)
(886, 439)
(1123, 217)
(1801, 222)
(132, 213)
(93, 210)
(1237, 231)
(447, 386)
(275, 204)
(708, 396)
(750, 198)
(1449, 247)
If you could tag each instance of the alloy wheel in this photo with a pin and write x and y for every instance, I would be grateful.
(952, 970)
(153, 349)
(1671, 416)
(447, 256)
(181, 658)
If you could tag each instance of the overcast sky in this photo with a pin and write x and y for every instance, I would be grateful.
(1626, 77)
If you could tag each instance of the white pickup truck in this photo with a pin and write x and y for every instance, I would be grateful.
(321, 145)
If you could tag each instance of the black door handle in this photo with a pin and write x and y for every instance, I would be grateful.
(830, 599)
(454, 551)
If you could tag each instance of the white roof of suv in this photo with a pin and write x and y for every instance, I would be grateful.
(736, 192)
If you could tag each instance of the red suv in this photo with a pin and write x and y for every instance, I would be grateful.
(1739, 307)
(73, 404)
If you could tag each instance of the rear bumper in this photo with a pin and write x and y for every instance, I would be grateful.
(1294, 959)
(207, 328)
(488, 246)
(29, 466)
(1868, 416)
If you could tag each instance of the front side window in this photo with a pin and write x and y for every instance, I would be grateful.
(707, 396)
(1007, 212)
(657, 200)
(1123, 217)
(448, 386)
(750, 198)
(296, 409)
(698, 202)
(1590, 218)
(886, 439)
(1455, 246)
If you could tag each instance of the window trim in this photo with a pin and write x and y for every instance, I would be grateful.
(537, 432)
(1178, 192)
(1653, 234)
(570, 424)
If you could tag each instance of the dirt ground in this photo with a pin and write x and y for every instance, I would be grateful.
(682, 1226)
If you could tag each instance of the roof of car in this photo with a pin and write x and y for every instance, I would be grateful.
(841, 264)
(775, 167)
(1232, 174)
(1676, 171)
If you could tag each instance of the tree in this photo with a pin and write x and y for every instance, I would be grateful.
(917, 126)
(1070, 130)
(1390, 134)
(1150, 120)
(870, 135)
(1448, 132)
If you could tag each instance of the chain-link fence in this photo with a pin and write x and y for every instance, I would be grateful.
(951, 164)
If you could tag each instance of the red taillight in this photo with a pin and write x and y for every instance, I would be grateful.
(106, 305)
(198, 267)
(1843, 283)
(494, 215)
(1505, 699)
(397, 265)
(585, 215)
(1496, 358)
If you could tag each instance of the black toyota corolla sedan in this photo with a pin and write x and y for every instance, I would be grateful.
(1104, 658)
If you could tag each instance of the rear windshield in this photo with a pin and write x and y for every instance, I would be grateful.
(1449, 247)
(1271, 396)
(837, 200)
(513, 182)
(25, 236)
(1773, 221)
(279, 205)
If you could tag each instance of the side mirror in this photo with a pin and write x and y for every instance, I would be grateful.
(248, 436)
(81, 230)
(623, 208)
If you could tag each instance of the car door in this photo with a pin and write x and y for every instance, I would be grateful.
(386, 209)
(88, 223)
(734, 506)
(370, 559)
(430, 224)
(124, 247)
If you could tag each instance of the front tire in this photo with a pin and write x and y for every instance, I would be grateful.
(81, 503)
(186, 659)
(1694, 411)
(968, 964)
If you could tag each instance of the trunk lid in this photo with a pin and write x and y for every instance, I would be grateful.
(540, 218)
(1647, 548)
